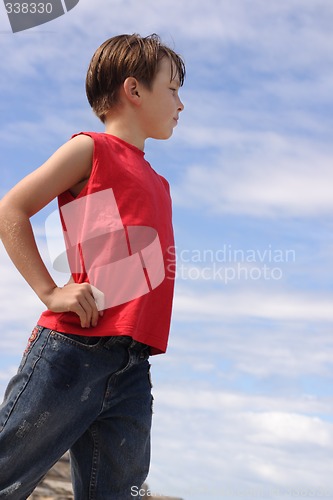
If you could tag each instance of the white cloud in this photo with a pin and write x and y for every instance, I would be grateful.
(285, 351)
(242, 442)
(281, 429)
(244, 302)
(258, 174)
(293, 34)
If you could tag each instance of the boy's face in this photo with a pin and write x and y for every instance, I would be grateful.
(162, 105)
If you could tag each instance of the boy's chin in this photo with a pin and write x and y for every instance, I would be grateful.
(163, 136)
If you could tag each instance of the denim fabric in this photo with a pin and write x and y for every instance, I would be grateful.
(86, 394)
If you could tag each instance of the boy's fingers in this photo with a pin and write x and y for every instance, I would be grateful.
(92, 311)
(88, 305)
(80, 311)
(85, 307)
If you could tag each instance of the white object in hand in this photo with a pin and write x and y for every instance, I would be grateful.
(99, 298)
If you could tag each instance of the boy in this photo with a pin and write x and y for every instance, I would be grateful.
(83, 383)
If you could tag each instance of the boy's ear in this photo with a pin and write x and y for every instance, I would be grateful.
(131, 90)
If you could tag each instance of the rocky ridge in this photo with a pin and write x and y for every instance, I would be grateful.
(56, 485)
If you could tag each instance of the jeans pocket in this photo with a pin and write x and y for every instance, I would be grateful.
(31, 342)
(83, 341)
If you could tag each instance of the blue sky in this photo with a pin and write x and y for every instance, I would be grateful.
(243, 398)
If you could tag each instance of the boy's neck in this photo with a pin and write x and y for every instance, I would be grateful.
(126, 130)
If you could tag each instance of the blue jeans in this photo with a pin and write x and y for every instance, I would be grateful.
(89, 395)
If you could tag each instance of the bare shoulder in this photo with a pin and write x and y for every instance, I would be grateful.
(68, 168)
(80, 147)
(78, 151)
(82, 142)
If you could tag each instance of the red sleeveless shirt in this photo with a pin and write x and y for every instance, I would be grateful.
(119, 238)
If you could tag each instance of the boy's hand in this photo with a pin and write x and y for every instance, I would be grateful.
(77, 298)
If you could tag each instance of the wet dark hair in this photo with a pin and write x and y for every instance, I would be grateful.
(125, 56)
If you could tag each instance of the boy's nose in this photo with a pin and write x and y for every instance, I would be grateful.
(180, 106)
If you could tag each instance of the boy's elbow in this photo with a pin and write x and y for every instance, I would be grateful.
(6, 217)
(11, 216)
(2, 218)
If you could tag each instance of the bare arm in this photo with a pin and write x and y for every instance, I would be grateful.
(68, 167)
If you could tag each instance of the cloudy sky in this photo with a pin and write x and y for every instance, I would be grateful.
(243, 398)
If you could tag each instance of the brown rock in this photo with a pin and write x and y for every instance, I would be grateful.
(57, 485)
